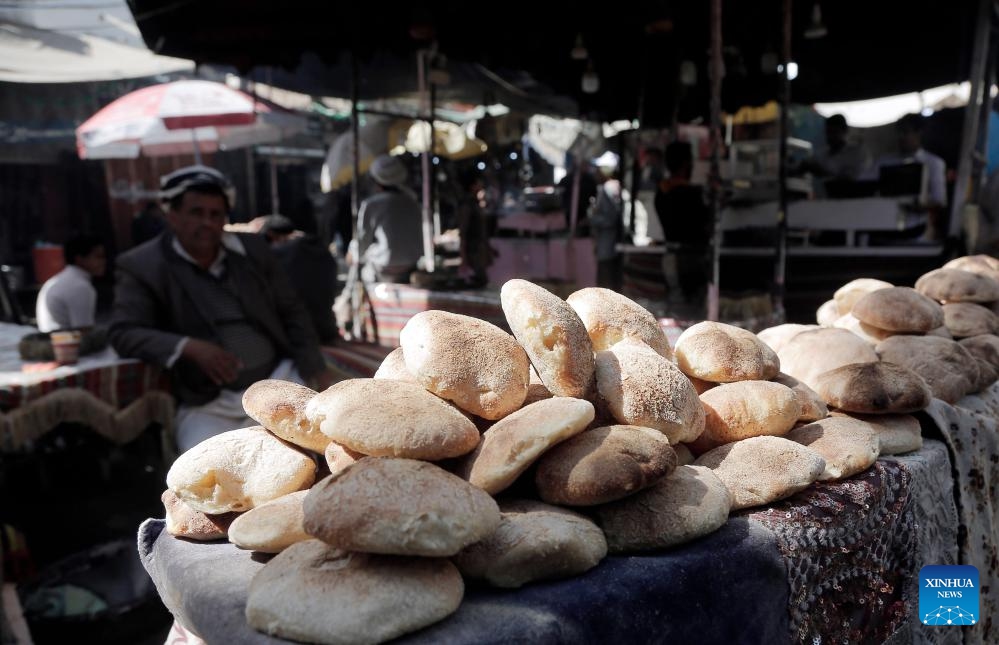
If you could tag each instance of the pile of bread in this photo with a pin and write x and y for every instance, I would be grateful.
(477, 454)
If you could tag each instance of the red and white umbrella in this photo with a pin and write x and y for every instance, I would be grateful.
(182, 117)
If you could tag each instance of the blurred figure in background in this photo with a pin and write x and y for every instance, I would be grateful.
(68, 299)
(389, 225)
(839, 158)
(685, 221)
(607, 222)
(473, 227)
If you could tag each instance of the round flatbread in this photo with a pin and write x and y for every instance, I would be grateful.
(610, 318)
(900, 310)
(956, 285)
(874, 388)
(722, 353)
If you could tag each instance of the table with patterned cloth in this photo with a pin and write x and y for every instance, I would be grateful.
(835, 563)
(118, 398)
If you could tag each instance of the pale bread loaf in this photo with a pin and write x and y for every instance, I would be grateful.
(761, 470)
(271, 527)
(314, 593)
(534, 541)
(601, 465)
(813, 352)
(610, 318)
(642, 388)
(339, 457)
(813, 407)
(399, 507)
(847, 295)
(872, 335)
(900, 310)
(849, 446)
(942, 332)
(394, 368)
(827, 314)
(554, 337)
(945, 365)
(280, 407)
(897, 433)
(237, 470)
(983, 265)
(386, 418)
(722, 353)
(874, 388)
(746, 409)
(510, 446)
(984, 348)
(966, 319)
(184, 521)
(690, 503)
(776, 337)
(957, 285)
(471, 362)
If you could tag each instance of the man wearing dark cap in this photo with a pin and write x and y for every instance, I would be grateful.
(215, 308)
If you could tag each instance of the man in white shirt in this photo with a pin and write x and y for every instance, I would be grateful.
(910, 150)
(68, 299)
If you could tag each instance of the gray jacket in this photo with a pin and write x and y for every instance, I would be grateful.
(157, 304)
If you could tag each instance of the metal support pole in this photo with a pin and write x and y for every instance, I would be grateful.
(433, 183)
(355, 133)
(780, 265)
(428, 226)
(715, 72)
(969, 133)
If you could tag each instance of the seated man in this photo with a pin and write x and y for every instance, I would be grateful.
(68, 299)
(213, 307)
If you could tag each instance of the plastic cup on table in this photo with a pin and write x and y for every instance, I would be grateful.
(66, 347)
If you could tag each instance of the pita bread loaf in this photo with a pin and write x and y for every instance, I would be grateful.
(610, 318)
(983, 265)
(315, 593)
(947, 368)
(874, 388)
(899, 309)
(392, 419)
(721, 353)
(280, 407)
(956, 285)
(399, 507)
(966, 319)
(897, 433)
(271, 527)
(813, 407)
(872, 335)
(394, 367)
(849, 446)
(237, 470)
(690, 503)
(683, 455)
(746, 409)
(536, 390)
(847, 295)
(984, 347)
(534, 541)
(826, 315)
(761, 470)
(515, 442)
(942, 332)
(339, 457)
(556, 340)
(813, 352)
(776, 337)
(987, 375)
(603, 464)
(184, 521)
(475, 364)
(641, 388)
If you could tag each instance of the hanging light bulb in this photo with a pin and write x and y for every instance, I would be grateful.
(816, 30)
(591, 82)
(579, 52)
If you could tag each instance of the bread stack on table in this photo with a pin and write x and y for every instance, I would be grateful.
(474, 454)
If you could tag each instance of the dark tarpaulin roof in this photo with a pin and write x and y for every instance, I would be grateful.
(873, 48)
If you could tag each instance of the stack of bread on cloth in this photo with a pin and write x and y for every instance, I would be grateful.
(474, 454)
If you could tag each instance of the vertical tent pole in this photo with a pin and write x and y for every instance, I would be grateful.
(433, 146)
(780, 264)
(715, 73)
(275, 198)
(428, 226)
(969, 134)
(357, 328)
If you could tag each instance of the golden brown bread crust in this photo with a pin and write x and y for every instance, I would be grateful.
(603, 464)
(399, 507)
(737, 411)
(610, 318)
(945, 365)
(471, 362)
(394, 367)
(722, 353)
(339, 457)
(849, 446)
(554, 337)
(899, 310)
(848, 295)
(957, 285)
(967, 319)
(897, 433)
(184, 521)
(386, 418)
(280, 406)
(813, 407)
(874, 388)
(813, 352)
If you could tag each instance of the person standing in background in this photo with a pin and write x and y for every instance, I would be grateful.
(607, 222)
(685, 221)
(68, 299)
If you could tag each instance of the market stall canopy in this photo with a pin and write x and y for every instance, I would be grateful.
(179, 117)
(32, 55)
(869, 49)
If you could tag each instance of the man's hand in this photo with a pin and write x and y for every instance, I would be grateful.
(322, 380)
(217, 364)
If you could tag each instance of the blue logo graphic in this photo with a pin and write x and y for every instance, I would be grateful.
(948, 595)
